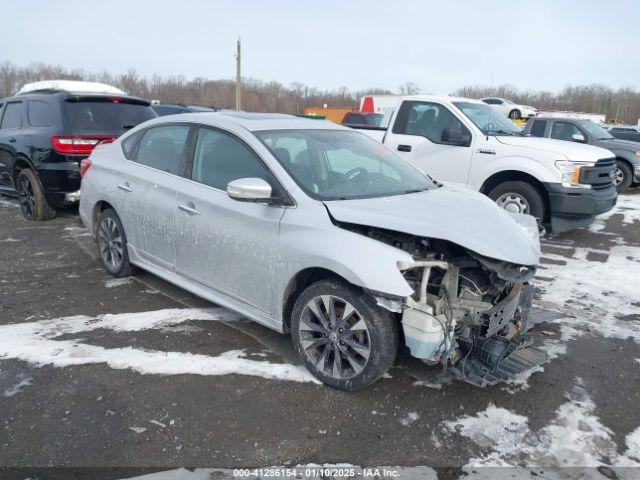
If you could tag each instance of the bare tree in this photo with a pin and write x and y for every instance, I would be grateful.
(622, 104)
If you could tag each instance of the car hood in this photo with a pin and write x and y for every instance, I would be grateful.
(463, 217)
(617, 144)
(578, 152)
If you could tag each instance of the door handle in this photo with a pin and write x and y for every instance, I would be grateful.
(125, 186)
(404, 148)
(190, 208)
(12, 139)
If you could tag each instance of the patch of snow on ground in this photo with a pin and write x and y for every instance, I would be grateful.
(117, 282)
(628, 206)
(17, 388)
(35, 342)
(574, 438)
(411, 417)
(595, 293)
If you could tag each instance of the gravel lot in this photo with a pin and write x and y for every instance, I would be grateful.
(136, 373)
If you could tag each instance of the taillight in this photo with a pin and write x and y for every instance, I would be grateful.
(85, 163)
(78, 144)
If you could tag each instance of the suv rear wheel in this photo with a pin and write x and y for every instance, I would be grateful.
(33, 203)
(342, 336)
(112, 244)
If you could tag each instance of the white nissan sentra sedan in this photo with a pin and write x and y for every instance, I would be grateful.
(318, 231)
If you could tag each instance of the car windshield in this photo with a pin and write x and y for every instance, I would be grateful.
(487, 119)
(596, 131)
(342, 164)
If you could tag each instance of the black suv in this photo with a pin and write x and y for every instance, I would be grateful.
(163, 109)
(44, 135)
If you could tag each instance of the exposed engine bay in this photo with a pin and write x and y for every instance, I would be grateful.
(468, 312)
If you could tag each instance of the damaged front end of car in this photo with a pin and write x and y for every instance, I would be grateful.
(468, 312)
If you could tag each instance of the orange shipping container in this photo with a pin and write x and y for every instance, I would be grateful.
(333, 114)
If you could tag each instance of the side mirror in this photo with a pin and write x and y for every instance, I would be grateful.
(249, 190)
(455, 136)
(578, 137)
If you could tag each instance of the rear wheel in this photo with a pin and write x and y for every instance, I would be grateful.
(33, 203)
(342, 336)
(624, 176)
(515, 114)
(112, 244)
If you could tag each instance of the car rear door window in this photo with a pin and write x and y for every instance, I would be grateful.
(565, 131)
(220, 158)
(12, 118)
(538, 128)
(164, 148)
(39, 113)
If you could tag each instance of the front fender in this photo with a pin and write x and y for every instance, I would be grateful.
(542, 170)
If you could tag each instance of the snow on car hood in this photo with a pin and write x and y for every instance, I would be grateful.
(577, 152)
(464, 217)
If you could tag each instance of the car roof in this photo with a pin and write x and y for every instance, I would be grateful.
(564, 119)
(441, 98)
(255, 121)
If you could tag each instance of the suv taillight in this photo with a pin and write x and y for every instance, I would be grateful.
(78, 144)
(85, 163)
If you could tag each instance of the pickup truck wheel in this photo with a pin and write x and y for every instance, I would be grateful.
(519, 197)
(112, 244)
(33, 203)
(515, 114)
(342, 336)
(624, 176)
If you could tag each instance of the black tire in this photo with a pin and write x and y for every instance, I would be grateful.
(530, 194)
(33, 203)
(380, 337)
(112, 244)
(627, 175)
(515, 114)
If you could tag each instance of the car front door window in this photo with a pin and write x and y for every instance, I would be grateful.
(565, 131)
(432, 121)
(220, 158)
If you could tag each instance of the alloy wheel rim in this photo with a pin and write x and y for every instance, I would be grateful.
(110, 242)
(514, 203)
(27, 200)
(619, 177)
(334, 337)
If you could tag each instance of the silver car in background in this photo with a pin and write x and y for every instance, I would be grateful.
(316, 230)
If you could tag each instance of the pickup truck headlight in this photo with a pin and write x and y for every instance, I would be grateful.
(571, 173)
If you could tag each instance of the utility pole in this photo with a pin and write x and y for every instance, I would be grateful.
(238, 79)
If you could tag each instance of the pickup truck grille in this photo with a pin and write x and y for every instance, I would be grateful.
(599, 176)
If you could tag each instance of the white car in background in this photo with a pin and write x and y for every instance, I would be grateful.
(511, 110)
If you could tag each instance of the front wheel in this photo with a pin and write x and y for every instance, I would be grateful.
(342, 336)
(112, 244)
(519, 197)
(623, 177)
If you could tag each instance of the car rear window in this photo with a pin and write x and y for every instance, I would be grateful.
(111, 115)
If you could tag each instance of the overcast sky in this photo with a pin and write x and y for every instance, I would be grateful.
(542, 44)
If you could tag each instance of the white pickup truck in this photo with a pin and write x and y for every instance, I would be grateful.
(464, 142)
